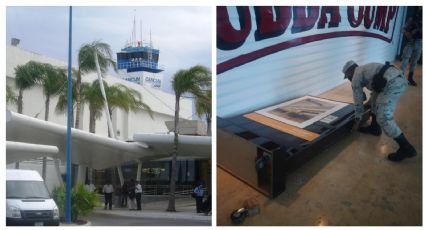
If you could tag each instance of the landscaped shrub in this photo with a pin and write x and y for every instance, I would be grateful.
(82, 201)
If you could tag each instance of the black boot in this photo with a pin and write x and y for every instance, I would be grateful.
(373, 128)
(405, 150)
(410, 79)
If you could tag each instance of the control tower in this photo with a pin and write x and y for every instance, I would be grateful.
(138, 63)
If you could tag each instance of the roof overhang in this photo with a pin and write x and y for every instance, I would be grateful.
(101, 152)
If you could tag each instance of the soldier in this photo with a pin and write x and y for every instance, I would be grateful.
(413, 49)
(387, 84)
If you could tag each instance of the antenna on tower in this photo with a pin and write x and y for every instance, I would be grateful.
(134, 29)
(141, 33)
(150, 38)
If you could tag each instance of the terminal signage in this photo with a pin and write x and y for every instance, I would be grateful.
(133, 79)
(154, 82)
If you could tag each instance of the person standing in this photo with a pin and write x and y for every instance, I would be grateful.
(413, 48)
(108, 189)
(124, 193)
(138, 191)
(90, 187)
(387, 84)
(207, 205)
(199, 195)
(131, 194)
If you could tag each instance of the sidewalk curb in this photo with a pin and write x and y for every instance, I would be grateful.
(75, 225)
(156, 214)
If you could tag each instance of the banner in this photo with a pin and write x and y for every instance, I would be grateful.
(245, 34)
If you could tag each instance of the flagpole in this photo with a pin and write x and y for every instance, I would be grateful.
(68, 128)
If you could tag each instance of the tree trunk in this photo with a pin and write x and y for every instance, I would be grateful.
(44, 170)
(171, 200)
(78, 100)
(58, 172)
(20, 105)
(208, 125)
(110, 115)
(105, 100)
(20, 101)
(46, 118)
(92, 123)
(47, 108)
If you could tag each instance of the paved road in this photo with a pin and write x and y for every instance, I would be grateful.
(98, 219)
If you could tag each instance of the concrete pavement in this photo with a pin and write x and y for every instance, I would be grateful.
(186, 210)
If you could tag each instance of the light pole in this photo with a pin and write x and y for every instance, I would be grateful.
(68, 128)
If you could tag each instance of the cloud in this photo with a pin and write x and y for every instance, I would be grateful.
(183, 34)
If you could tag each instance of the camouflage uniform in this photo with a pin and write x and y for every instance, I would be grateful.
(413, 49)
(384, 103)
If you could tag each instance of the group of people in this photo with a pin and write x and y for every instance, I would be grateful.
(131, 195)
(387, 84)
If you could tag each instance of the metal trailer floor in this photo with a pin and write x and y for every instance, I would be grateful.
(349, 184)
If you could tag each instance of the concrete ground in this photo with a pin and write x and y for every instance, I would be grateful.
(152, 214)
(350, 184)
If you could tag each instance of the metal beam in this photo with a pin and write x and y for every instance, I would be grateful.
(69, 124)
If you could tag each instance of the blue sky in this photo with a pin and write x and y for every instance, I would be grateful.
(182, 33)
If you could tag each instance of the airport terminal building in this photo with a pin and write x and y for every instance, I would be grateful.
(154, 175)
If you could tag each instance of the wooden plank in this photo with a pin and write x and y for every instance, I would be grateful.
(295, 131)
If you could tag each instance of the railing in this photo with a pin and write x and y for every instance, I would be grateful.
(136, 64)
(164, 189)
(156, 190)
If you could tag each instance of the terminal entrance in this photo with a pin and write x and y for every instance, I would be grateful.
(155, 176)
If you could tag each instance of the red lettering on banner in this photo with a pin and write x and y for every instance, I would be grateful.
(335, 17)
(381, 14)
(266, 26)
(273, 21)
(228, 38)
(351, 17)
(303, 22)
(392, 10)
(368, 17)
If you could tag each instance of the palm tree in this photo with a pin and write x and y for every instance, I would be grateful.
(90, 94)
(62, 104)
(87, 56)
(53, 82)
(203, 108)
(120, 96)
(193, 81)
(10, 95)
(26, 76)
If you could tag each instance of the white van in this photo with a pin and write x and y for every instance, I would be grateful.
(28, 202)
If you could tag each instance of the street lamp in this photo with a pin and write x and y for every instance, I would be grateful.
(68, 128)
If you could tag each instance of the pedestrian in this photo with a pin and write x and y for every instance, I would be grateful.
(90, 187)
(387, 84)
(124, 194)
(138, 191)
(131, 189)
(412, 31)
(108, 189)
(199, 195)
(206, 206)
